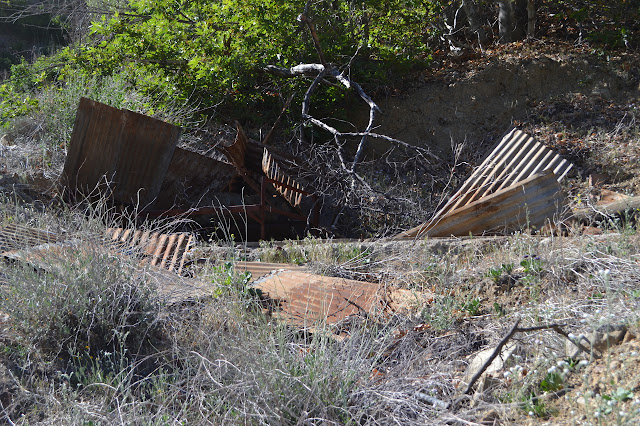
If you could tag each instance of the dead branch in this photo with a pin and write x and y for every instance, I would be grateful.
(515, 329)
(493, 356)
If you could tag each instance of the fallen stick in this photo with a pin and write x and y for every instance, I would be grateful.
(515, 329)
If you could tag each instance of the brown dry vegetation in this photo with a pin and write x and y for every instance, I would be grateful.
(91, 342)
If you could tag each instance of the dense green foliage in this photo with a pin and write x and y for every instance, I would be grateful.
(214, 53)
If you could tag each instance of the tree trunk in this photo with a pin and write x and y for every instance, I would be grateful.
(506, 21)
(531, 18)
(474, 21)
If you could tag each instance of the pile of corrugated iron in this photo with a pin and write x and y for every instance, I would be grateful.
(134, 159)
(31, 245)
(516, 187)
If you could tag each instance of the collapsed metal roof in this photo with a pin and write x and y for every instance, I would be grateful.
(134, 160)
(516, 186)
(193, 180)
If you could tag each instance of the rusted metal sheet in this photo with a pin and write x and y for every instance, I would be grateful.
(261, 269)
(304, 299)
(516, 159)
(15, 237)
(527, 204)
(55, 257)
(193, 179)
(118, 152)
(291, 190)
(237, 150)
(168, 251)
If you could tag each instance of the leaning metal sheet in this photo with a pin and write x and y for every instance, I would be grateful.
(118, 152)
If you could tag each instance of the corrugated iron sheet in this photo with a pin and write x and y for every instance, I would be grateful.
(527, 204)
(291, 190)
(118, 152)
(192, 180)
(168, 251)
(517, 159)
(15, 237)
(261, 269)
(237, 150)
(303, 299)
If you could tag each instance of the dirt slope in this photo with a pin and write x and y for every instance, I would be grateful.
(474, 99)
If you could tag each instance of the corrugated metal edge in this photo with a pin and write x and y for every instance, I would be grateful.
(515, 158)
(528, 203)
(273, 171)
(118, 153)
(14, 237)
(168, 251)
(508, 163)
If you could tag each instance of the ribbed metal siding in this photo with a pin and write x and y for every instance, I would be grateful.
(273, 171)
(514, 160)
(16, 237)
(517, 157)
(118, 152)
(168, 251)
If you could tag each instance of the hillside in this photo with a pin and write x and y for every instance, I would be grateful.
(93, 332)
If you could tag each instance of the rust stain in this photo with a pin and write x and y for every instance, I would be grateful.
(119, 153)
(304, 299)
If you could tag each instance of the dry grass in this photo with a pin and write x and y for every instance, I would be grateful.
(90, 342)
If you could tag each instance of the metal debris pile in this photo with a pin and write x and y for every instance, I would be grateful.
(134, 160)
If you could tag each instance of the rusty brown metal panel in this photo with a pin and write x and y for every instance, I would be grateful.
(526, 204)
(260, 269)
(237, 150)
(193, 179)
(303, 299)
(168, 251)
(516, 158)
(120, 152)
(273, 171)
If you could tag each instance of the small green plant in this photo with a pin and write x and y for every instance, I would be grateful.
(536, 408)
(497, 273)
(441, 314)
(532, 264)
(227, 280)
(472, 307)
(552, 382)
(499, 309)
